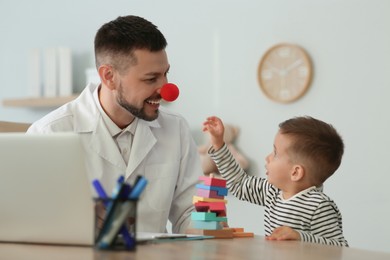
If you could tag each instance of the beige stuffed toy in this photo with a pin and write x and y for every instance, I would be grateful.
(208, 165)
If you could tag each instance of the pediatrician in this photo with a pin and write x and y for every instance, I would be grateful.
(125, 131)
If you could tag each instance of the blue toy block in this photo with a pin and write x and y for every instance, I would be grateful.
(209, 225)
(207, 216)
(220, 190)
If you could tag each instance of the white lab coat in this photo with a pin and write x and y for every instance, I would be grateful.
(163, 151)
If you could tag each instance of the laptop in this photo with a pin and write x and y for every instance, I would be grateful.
(45, 194)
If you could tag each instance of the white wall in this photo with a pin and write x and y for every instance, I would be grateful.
(214, 50)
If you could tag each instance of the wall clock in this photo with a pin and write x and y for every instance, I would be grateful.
(285, 72)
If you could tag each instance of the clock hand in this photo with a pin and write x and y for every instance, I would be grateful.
(292, 66)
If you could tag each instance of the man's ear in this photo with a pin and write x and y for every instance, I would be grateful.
(298, 172)
(107, 76)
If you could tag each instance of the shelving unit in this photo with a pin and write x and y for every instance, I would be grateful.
(42, 102)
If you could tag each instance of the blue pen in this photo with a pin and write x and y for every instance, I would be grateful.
(129, 241)
(99, 189)
(139, 186)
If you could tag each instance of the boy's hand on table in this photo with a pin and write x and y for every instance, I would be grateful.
(284, 233)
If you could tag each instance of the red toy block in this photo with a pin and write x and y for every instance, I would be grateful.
(216, 207)
(211, 181)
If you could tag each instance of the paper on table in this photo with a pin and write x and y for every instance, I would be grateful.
(160, 237)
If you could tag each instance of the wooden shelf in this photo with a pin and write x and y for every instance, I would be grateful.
(38, 102)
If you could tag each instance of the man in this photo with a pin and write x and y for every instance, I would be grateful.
(123, 129)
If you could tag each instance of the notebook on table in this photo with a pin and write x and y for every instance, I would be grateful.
(45, 195)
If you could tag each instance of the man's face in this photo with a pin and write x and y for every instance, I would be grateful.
(139, 86)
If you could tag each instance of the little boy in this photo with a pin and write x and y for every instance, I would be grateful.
(306, 152)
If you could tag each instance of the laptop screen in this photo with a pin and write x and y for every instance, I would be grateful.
(45, 195)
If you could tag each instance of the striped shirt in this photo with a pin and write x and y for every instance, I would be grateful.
(311, 213)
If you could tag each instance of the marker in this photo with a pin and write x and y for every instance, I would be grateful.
(139, 186)
(124, 211)
(99, 189)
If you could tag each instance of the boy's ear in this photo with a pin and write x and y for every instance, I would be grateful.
(107, 76)
(298, 172)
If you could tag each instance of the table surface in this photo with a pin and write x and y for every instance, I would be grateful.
(236, 248)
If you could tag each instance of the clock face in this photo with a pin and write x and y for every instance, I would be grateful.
(285, 73)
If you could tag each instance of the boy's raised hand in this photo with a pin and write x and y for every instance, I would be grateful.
(214, 126)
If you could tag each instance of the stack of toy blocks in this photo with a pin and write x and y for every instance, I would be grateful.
(210, 217)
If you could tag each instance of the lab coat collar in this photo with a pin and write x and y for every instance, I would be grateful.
(104, 145)
(87, 114)
(143, 142)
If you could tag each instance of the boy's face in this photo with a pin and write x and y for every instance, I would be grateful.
(278, 164)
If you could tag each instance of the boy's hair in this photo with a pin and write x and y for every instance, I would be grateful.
(116, 41)
(316, 144)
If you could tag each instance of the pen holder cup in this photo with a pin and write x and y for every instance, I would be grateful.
(115, 224)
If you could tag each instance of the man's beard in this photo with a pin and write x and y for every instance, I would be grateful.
(137, 112)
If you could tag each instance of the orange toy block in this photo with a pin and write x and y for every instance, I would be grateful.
(211, 181)
(243, 234)
(239, 232)
(221, 233)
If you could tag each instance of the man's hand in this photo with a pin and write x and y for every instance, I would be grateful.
(284, 233)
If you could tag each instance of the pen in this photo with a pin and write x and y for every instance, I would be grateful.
(138, 187)
(128, 240)
(125, 209)
(99, 190)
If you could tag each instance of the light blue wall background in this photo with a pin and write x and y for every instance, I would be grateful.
(214, 49)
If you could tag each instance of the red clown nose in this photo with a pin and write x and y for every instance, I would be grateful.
(169, 92)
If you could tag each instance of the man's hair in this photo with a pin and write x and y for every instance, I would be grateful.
(316, 144)
(116, 41)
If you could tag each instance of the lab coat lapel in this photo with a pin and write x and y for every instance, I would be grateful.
(106, 147)
(89, 120)
(143, 142)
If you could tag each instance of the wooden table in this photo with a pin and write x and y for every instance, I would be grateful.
(237, 249)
